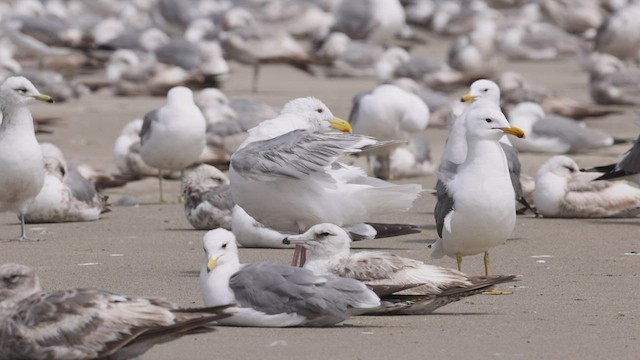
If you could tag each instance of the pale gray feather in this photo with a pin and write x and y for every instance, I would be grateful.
(569, 131)
(149, 118)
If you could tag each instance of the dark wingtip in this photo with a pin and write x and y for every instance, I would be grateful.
(286, 241)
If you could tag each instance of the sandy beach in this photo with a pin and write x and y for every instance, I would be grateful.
(577, 297)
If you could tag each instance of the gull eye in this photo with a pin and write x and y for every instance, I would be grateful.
(325, 234)
(21, 90)
(319, 110)
(485, 90)
(568, 168)
(224, 246)
(488, 120)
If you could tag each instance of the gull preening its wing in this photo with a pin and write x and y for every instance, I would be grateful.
(270, 294)
(562, 191)
(87, 323)
(22, 174)
(286, 174)
(208, 202)
(424, 287)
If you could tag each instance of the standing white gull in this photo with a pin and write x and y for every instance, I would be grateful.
(87, 323)
(173, 136)
(388, 113)
(424, 287)
(270, 294)
(563, 191)
(286, 174)
(474, 216)
(22, 174)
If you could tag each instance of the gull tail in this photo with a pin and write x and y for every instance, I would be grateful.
(603, 168)
(391, 230)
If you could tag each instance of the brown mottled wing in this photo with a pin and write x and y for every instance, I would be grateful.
(600, 199)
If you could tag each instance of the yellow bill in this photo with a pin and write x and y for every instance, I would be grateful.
(467, 98)
(340, 125)
(211, 263)
(515, 131)
(43, 97)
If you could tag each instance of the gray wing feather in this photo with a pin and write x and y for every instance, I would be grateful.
(355, 18)
(631, 162)
(276, 288)
(296, 154)
(181, 53)
(145, 132)
(514, 168)
(81, 188)
(578, 137)
(355, 107)
(220, 198)
(444, 206)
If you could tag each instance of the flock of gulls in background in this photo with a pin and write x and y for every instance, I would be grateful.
(286, 184)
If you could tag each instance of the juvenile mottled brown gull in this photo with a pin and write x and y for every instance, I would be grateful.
(87, 323)
(428, 287)
(270, 294)
(22, 174)
(562, 191)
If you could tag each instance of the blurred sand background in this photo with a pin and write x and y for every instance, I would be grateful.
(577, 298)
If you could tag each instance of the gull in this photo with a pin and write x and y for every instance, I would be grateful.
(618, 35)
(627, 168)
(428, 287)
(396, 63)
(87, 323)
(562, 191)
(473, 216)
(574, 16)
(613, 82)
(537, 41)
(208, 203)
(22, 174)
(270, 294)
(412, 160)
(489, 90)
(126, 152)
(516, 89)
(66, 195)
(286, 174)
(173, 136)
(215, 106)
(388, 113)
(474, 55)
(553, 133)
(349, 58)
(376, 21)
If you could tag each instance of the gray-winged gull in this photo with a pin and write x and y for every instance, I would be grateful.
(563, 191)
(87, 323)
(270, 294)
(428, 287)
(22, 174)
(388, 113)
(173, 136)
(376, 21)
(553, 133)
(612, 81)
(66, 195)
(286, 174)
(474, 216)
(619, 34)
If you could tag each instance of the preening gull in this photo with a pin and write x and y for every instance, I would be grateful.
(87, 323)
(554, 133)
(173, 136)
(428, 287)
(270, 294)
(66, 195)
(22, 174)
(473, 216)
(208, 202)
(286, 176)
(388, 113)
(562, 191)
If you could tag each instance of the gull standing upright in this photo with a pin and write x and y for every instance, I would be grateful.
(21, 163)
(173, 136)
(476, 211)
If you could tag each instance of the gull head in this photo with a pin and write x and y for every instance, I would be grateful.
(180, 95)
(214, 103)
(560, 165)
(483, 88)
(203, 179)
(316, 113)
(322, 240)
(525, 114)
(220, 248)
(484, 120)
(19, 90)
(17, 282)
(54, 162)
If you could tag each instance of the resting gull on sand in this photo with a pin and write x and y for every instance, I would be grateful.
(473, 216)
(173, 136)
(87, 323)
(22, 174)
(563, 191)
(270, 294)
(286, 176)
(428, 287)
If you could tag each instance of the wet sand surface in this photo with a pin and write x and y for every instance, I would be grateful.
(577, 297)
